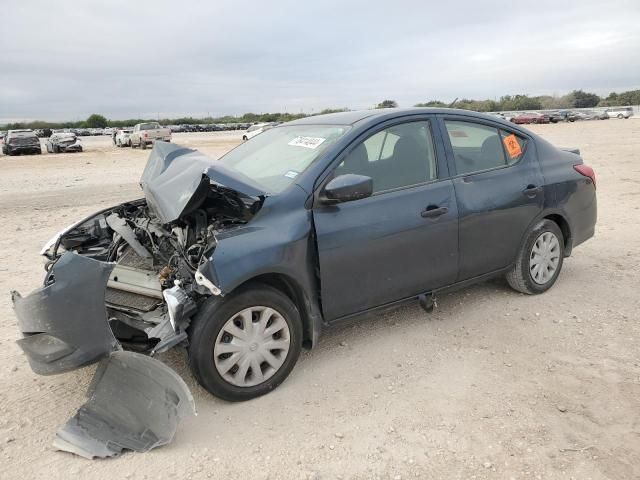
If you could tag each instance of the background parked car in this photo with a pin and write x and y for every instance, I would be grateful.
(594, 115)
(123, 138)
(256, 129)
(42, 132)
(21, 141)
(556, 116)
(63, 142)
(620, 112)
(144, 134)
(530, 117)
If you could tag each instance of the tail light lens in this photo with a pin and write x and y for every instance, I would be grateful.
(145, 134)
(586, 171)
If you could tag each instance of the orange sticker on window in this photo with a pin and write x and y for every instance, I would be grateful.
(512, 146)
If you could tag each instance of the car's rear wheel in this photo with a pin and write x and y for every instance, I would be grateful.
(245, 344)
(119, 144)
(539, 260)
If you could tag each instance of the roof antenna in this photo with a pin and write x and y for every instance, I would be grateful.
(453, 103)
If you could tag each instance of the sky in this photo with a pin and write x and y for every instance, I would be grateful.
(67, 59)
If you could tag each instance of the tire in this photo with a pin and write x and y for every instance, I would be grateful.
(143, 144)
(80, 150)
(56, 149)
(620, 116)
(208, 331)
(523, 275)
(119, 144)
(130, 144)
(133, 145)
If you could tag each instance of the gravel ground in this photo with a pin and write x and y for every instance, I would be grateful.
(493, 384)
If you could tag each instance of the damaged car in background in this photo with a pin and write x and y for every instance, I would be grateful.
(18, 142)
(63, 143)
(243, 260)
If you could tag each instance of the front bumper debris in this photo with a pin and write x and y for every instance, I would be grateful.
(65, 323)
(135, 403)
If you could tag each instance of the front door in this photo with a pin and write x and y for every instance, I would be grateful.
(399, 242)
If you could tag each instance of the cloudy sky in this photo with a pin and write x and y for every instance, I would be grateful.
(64, 60)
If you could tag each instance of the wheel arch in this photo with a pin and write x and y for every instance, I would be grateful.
(565, 228)
(289, 286)
(560, 219)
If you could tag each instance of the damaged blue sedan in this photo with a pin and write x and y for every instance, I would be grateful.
(244, 260)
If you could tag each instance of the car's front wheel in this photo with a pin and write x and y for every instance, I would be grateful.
(539, 260)
(245, 344)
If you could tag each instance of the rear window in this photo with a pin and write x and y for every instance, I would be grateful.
(479, 147)
(149, 126)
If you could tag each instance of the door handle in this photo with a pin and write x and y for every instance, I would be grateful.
(532, 190)
(433, 211)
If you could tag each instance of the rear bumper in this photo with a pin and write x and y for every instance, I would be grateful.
(64, 324)
(24, 148)
(72, 148)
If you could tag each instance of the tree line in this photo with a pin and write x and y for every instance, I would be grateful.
(575, 99)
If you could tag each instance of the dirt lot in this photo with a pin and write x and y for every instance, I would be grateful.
(494, 384)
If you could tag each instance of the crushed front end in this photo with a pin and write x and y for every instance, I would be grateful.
(131, 277)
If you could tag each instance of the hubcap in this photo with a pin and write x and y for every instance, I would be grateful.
(545, 257)
(251, 346)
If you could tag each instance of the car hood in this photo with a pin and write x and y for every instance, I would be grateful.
(176, 180)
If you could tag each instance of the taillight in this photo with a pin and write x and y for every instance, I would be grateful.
(145, 134)
(587, 172)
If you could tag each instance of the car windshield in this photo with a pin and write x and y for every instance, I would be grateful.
(277, 156)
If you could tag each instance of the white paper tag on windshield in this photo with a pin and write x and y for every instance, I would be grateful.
(291, 174)
(307, 142)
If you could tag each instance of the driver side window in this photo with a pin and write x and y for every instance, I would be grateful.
(396, 157)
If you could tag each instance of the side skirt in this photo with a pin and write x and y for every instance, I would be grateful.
(446, 289)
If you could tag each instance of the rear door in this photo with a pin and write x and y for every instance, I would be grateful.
(402, 240)
(499, 190)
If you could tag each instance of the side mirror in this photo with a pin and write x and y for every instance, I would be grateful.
(348, 187)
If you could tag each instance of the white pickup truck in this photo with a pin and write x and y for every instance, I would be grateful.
(146, 133)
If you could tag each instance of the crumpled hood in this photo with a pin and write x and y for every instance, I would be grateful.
(176, 180)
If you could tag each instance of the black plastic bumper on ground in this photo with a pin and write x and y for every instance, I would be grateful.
(65, 323)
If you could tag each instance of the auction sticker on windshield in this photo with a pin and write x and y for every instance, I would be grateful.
(307, 142)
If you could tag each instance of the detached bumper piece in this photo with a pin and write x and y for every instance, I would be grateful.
(135, 403)
(65, 322)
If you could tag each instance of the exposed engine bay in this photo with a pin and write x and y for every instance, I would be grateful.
(153, 290)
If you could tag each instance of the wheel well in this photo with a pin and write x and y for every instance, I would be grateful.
(566, 231)
(291, 289)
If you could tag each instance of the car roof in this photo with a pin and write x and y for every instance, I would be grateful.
(353, 117)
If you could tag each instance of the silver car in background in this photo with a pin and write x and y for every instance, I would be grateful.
(620, 112)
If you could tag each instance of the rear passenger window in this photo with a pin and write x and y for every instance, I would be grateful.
(479, 147)
(514, 146)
